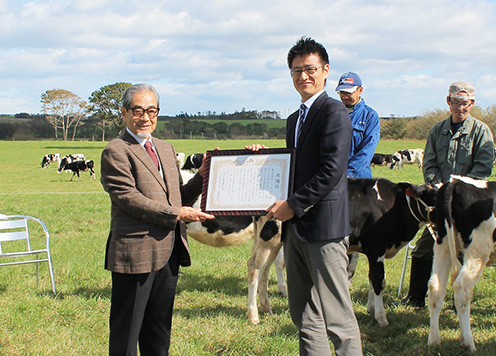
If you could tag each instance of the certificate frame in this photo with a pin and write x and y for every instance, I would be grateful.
(246, 182)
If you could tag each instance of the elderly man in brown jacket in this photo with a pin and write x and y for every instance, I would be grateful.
(147, 241)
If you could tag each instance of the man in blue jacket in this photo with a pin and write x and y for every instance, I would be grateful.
(365, 122)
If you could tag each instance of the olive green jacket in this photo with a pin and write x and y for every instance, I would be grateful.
(468, 152)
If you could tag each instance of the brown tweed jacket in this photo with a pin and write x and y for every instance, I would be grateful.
(144, 206)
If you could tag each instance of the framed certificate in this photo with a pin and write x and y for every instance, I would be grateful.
(244, 182)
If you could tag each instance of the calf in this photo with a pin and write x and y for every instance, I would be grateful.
(410, 156)
(466, 226)
(382, 159)
(48, 158)
(78, 166)
(384, 217)
(234, 230)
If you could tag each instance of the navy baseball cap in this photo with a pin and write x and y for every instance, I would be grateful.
(349, 82)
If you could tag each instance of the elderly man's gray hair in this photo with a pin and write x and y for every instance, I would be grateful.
(127, 97)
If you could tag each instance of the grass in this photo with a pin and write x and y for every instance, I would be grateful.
(210, 310)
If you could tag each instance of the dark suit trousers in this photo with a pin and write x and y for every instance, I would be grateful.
(141, 310)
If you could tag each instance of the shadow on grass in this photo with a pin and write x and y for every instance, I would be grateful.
(230, 285)
(408, 331)
(88, 293)
(209, 311)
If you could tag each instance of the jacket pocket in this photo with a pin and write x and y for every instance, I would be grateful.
(131, 231)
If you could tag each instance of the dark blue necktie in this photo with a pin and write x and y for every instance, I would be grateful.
(301, 120)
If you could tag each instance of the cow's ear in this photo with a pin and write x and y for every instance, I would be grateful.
(409, 192)
(409, 188)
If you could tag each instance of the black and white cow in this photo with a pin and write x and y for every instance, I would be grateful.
(69, 159)
(79, 166)
(385, 217)
(466, 225)
(227, 231)
(380, 159)
(48, 158)
(409, 156)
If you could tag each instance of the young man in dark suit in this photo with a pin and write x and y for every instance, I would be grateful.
(315, 217)
(147, 241)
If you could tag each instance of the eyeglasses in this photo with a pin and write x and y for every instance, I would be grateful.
(308, 70)
(138, 111)
(462, 104)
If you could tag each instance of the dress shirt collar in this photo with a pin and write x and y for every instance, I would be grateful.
(140, 140)
(310, 101)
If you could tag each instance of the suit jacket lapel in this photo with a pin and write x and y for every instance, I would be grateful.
(144, 157)
(290, 132)
(168, 162)
(311, 115)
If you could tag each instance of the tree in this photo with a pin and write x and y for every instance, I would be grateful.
(106, 103)
(419, 127)
(489, 117)
(63, 109)
(393, 129)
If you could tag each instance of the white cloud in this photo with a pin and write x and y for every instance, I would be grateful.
(224, 55)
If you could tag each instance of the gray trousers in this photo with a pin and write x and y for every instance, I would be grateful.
(319, 299)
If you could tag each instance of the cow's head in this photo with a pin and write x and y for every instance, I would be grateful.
(62, 164)
(421, 200)
(193, 161)
(393, 161)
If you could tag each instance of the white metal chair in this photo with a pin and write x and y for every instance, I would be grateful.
(16, 247)
(408, 256)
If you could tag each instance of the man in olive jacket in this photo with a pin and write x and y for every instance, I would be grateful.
(460, 145)
(147, 241)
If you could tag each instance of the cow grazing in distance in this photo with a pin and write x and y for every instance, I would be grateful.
(79, 166)
(69, 159)
(409, 156)
(381, 159)
(466, 225)
(48, 158)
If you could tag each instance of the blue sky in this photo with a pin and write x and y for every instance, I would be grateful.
(226, 55)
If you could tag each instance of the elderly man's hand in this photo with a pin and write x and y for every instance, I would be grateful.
(188, 214)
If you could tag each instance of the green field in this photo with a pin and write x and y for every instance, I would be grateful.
(210, 315)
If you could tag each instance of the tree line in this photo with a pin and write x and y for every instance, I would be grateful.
(66, 116)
